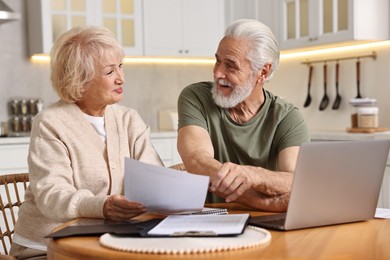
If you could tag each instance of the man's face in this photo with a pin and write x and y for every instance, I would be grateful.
(233, 75)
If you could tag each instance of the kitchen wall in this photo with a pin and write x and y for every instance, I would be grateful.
(151, 87)
(291, 82)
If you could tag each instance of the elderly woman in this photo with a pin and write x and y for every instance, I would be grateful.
(78, 144)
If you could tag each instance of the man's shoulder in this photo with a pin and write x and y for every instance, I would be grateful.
(279, 103)
(200, 91)
(199, 86)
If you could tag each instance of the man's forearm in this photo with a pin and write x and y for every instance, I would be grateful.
(202, 165)
(263, 202)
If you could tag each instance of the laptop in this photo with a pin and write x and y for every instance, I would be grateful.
(334, 182)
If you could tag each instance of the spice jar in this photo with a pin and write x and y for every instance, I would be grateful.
(367, 117)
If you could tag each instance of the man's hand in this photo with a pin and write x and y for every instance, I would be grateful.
(232, 180)
(118, 208)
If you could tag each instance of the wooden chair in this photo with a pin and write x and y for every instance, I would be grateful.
(12, 187)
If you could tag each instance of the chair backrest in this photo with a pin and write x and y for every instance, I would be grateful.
(12, 188)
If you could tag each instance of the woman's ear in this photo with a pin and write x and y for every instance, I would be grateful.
(264, 72)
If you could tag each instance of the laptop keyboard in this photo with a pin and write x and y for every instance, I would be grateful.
(277, 219)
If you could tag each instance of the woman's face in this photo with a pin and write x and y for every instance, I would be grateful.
(105, 89)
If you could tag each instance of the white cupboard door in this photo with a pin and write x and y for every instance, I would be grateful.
(162, 27)
(124, 19)
(183, 28)
(47, 19)
(326, 22)
(265, 11)
(296, 28)
(203, 24)
(13, 158)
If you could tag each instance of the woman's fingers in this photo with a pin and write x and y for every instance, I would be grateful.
(117, 208)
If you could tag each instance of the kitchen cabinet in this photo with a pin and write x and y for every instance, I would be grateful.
(306, 23)
(182, 28)
(264, 11)
(47, 19)
(165, 144)
(13, 156)
(124, 19)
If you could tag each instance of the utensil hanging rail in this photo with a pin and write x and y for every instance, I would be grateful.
(372, 55)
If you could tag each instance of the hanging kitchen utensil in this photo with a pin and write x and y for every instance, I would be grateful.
(337, 101)
(358, 79)
(308, 98)
(325, 99)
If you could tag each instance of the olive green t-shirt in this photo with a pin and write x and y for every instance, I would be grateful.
(276, 126)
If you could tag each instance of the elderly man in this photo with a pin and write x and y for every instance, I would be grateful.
(233, 130)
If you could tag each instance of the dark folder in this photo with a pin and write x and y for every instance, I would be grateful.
(229, 225)
(130, 228)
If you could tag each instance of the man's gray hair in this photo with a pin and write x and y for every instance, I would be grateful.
(263, 48)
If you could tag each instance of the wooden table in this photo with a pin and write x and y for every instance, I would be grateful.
(361, 240)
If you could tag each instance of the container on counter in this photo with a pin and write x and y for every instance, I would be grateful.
(367, 117)
(365, 114)
(3, 129)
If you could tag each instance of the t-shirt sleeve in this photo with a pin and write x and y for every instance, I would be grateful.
(190, 107)
(292, 130)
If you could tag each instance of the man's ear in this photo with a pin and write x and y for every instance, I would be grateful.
(264, 72)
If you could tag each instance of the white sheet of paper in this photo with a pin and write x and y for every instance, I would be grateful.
(382, 213)
(164, 190)
(231, 224)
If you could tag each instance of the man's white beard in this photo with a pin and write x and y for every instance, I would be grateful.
(238, 95)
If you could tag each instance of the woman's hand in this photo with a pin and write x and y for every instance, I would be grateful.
(179, 166)
(118, 208)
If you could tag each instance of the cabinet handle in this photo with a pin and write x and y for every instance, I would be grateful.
(180, 51)
(186, 51)
(313, 39)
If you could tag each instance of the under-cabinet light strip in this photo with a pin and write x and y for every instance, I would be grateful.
(283, 55)
(372, 55)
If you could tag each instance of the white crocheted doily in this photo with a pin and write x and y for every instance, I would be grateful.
(252, 236)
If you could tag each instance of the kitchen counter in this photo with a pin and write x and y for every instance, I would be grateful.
(14, 140)
(339, 134)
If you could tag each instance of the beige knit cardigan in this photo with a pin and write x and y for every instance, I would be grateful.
(72, 171)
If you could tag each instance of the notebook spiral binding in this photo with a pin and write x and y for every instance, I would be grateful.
(211, 212)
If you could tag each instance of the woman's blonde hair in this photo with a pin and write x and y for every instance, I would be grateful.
(77, 58)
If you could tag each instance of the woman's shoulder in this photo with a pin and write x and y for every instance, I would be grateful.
(58, 109)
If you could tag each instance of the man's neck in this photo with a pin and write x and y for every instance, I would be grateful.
(247, 109)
